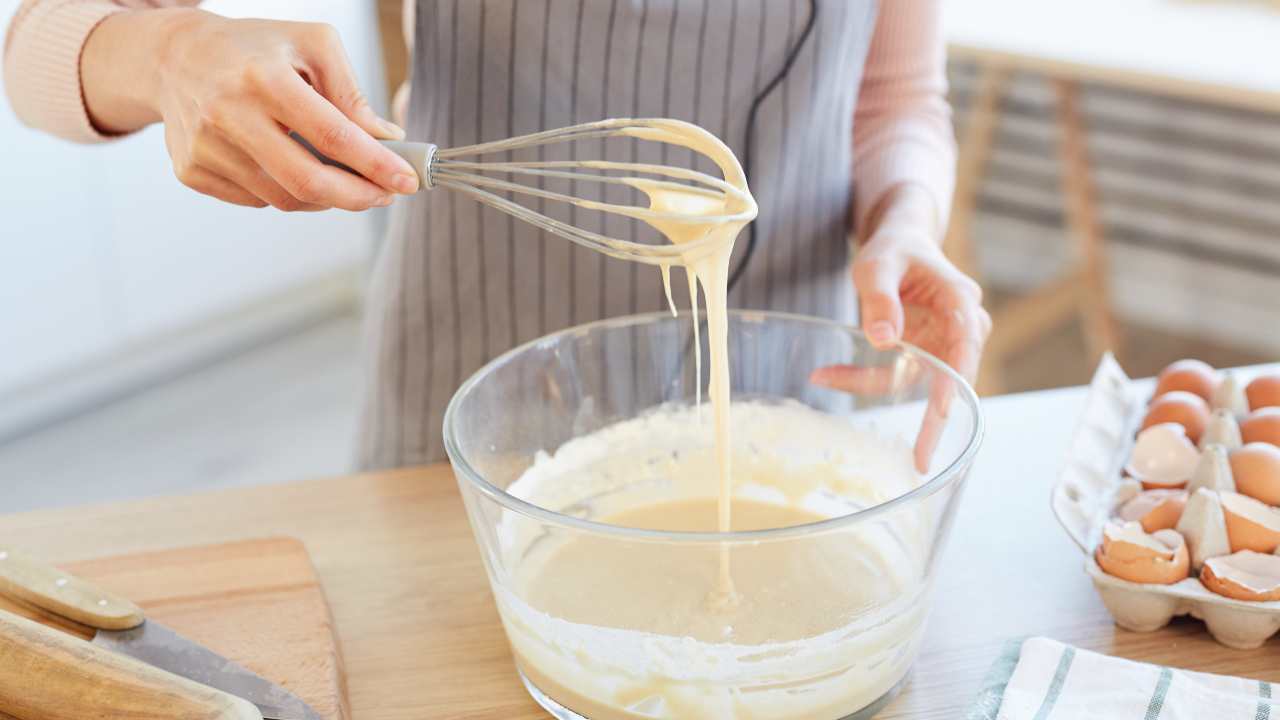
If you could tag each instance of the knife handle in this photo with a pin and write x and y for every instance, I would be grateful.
(46, 675)
(48, 588)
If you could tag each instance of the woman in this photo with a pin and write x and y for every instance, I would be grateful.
(849, 138)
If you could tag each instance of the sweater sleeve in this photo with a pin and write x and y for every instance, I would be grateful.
(902, 124)
(42, 61)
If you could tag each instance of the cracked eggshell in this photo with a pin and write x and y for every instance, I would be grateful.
(1263, 391)
(1155, 509)
(1179, 406)
(1262, 425)
(1194, 376)
(1126, 491)
(1256, 469)
(1222, 429)
(1212, 471)
(1251, 524)
(1096, 496)
(1163, 457)
(1230, 396)
(1244, 575)
(1204, 525)
(1131, 554)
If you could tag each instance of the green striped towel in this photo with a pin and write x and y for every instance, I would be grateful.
(1043, 679)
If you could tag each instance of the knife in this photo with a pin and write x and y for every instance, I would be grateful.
(120, 627)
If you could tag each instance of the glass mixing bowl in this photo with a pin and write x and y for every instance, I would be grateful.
(606, 619)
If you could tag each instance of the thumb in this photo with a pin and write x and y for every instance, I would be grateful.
(877, 281)
(333, 77)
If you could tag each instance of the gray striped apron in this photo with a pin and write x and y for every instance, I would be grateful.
(457, 283)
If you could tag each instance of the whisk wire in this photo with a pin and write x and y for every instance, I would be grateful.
(629, 210)
(573, 133)
(622, 249)
(545, 167)
(448, 168)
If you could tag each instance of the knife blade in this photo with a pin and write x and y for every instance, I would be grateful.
(158, 646)
(51, 675)
(121, 627)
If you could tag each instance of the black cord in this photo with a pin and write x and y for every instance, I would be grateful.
(756, 102)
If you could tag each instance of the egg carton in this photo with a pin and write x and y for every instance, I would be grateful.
(1085, 496)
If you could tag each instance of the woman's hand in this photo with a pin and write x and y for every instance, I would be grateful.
(229, 91)
(908, 290)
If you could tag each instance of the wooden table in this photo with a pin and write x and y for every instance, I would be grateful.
(1217, 52)
(422, 639)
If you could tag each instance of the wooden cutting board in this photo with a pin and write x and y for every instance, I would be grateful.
(257, 602)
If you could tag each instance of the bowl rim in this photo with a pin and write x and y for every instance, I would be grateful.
(945, 476)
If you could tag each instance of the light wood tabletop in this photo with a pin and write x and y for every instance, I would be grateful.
(421, 637)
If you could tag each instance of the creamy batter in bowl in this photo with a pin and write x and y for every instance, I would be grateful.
(590, 480)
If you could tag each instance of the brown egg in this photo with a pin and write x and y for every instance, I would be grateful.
(1193, 376)
(1263, 391)
(1130, 554)
(1155, 509)
(1262, 425)
(1245, 575)
(1256, 471)
(1251, 524)
(1179, 406)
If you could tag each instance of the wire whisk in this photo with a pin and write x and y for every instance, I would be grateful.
(711, 201)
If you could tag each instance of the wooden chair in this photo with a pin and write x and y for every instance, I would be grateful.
(1081, 291)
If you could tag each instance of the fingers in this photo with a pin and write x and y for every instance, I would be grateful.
(879, 382)
(934, 422)
(878, 279)
(200, 178)
(330, 72)
(234, 94)
(332, 113)
(298, 172)
(203, 181)
(297, 106)
(967, 327)
(853, 379)
(212, 150)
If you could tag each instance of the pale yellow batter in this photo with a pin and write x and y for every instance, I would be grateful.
(622, 592)
(612, 584)
(698, 211)
(620, 628)
(814, 627)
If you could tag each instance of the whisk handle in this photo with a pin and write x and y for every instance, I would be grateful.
(418, 154)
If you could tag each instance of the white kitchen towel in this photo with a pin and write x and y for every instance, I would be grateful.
(1053, 681)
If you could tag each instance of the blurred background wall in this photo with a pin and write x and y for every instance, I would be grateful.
(153, 340)
(113, 276)
(1188, 201)
(1137, 139)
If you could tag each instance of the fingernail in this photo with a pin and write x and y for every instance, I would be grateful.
(881, 332)
(405, 183)
(393, 130)
(383, 200)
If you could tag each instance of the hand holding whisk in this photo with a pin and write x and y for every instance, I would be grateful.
(700, 200)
